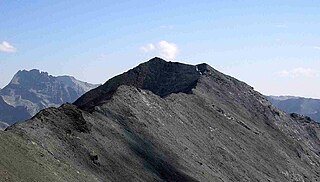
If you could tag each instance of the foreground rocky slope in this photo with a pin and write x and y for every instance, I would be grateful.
(164, 121)
(30, 91)
(305, 106)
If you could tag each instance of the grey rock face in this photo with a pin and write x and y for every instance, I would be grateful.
(305, 106)
(196, 125)
(30, 91)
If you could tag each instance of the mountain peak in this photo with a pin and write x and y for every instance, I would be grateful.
(32, 75)
(157, 60)
(157, 75)
(31, 72)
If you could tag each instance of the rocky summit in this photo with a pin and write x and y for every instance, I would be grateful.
(30, 91)
(164, 121)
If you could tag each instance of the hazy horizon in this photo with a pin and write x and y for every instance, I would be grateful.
(273, 46)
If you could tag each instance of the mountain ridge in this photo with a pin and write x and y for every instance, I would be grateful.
(153, 71)
(220, 129)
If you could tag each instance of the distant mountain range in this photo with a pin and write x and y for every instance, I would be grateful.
(305, 106)
(31, 91)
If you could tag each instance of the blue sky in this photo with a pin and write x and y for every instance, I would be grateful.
(272, 45)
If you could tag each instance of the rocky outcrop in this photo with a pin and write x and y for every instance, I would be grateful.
(195, 125)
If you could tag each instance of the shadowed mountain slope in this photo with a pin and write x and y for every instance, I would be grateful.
(11, 114)
(164, 121)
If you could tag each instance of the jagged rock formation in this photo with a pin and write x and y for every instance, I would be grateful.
(164, 121)
(30, 91)
(305, 106)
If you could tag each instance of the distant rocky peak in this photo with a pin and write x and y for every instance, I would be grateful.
(30, 91)
(32, 72)
(36, 79)
(27, 77)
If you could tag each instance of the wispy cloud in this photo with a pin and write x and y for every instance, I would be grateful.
(103, 57)
(165, 49)
(299, 72)
(6, 47)
(281, 26)
(148, 48)
(317, 47)
(167, 27)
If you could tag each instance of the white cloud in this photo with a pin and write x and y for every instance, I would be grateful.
(299, 72)
(167, 50)
(163, 48)
(148, 48)
(6, 47)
